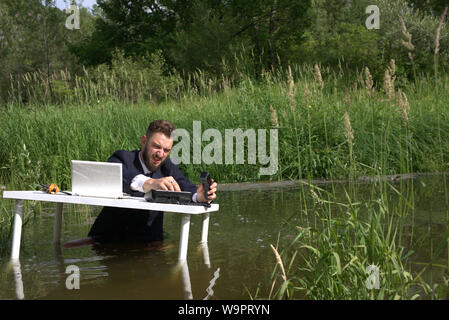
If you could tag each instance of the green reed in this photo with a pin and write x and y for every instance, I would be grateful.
(311, 123)
(336, 256)
(331, 253)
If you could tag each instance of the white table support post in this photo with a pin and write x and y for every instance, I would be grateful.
(205, 250)
(16, 269)
(205, 228)
(58, 224)
(17, 230)
(186, 280)
(184, 237)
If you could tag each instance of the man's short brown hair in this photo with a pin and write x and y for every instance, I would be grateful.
(163, 126)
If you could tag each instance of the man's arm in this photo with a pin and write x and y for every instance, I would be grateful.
(173, 179)
(129, 171)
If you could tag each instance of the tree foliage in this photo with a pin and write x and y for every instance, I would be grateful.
(197, 34)
(434, 7)
(33, 37)
(220, 38)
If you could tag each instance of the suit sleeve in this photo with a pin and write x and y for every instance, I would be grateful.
(127, 173)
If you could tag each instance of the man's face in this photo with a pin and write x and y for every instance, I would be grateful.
(155, 150)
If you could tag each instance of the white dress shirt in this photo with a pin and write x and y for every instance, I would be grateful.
(139, 180)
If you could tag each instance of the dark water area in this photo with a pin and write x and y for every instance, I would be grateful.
(236, 263)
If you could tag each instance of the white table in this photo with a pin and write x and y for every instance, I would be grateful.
(126, 202)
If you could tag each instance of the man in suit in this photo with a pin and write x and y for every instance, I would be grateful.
(143, 170)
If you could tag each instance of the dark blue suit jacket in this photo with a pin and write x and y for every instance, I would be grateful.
(132, 225)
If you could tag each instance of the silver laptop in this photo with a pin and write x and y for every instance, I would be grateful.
(97, 179)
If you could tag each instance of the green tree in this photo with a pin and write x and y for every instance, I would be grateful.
(33, 37)
(274, 27)
(20, 45)
(338, 33)
(434, 7)
(197, 34)
(421, 27)
(204, 39)
(136, 27)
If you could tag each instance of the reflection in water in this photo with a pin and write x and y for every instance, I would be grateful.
(125, 272)
(131, 271)
(205, 250)
(209, 290)
(15, 264)
(187, 286)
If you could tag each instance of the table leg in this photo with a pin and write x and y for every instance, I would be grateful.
(17, 230)
(58, 223)
(18, 279)
(205, 250)
(184, 237)
(186, 281)
(205, 228)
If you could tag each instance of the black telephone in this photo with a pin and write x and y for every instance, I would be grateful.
(180, 197)
(206, 181)
(167, 196)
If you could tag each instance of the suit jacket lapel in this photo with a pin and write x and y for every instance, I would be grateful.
(137, 163)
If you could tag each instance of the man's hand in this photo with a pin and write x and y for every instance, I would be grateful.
(165, 183)
(211, 192)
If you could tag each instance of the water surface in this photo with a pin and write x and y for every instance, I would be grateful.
(240, 258)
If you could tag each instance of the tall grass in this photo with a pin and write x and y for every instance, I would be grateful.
(383, 134)
(356, 249)
(123, 80)
(335, 252)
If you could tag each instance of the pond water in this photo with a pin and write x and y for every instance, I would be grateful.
(240, 260)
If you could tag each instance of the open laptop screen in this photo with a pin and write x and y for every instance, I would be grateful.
(97, 179)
